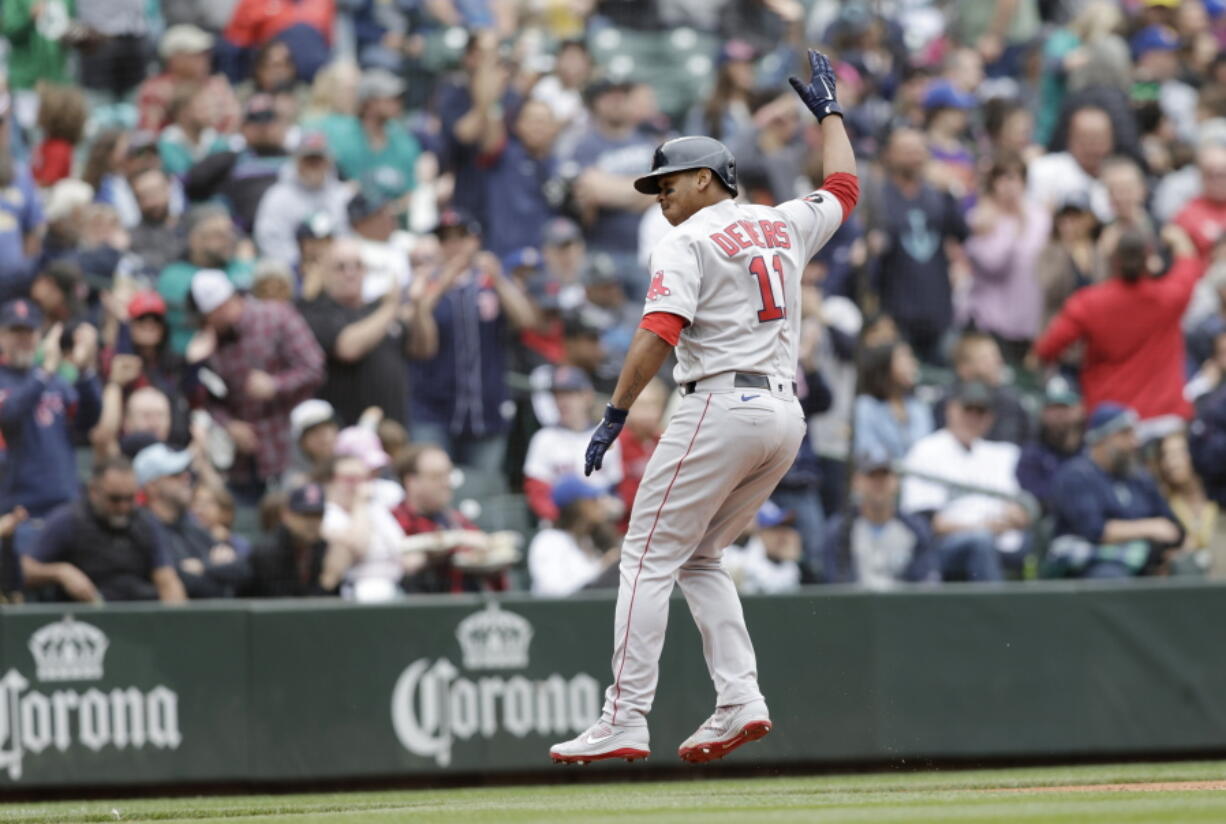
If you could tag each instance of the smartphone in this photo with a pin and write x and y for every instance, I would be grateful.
(123, 341)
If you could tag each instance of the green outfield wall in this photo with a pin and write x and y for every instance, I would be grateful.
(313, 690)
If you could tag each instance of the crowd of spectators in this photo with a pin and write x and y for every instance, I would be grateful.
(323, 298)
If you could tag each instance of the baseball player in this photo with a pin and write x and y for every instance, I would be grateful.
(725, 293)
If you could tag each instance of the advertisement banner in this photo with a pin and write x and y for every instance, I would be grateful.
(130, 695)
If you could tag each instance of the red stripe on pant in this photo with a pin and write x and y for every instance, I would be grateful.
(617, 686)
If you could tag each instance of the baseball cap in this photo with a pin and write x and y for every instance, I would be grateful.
(319, 225)
(569, 379)
(184, 39)
(133, 443)
(1108, 418)
(379, 83)
(210, 289)
(365, 204)
(600, 269)
(1077, 200)
(942, 94)
(1058, 391)
(602, 86)
(65, 197)
(357, 442)
(20, 313)
(159, 461)
(874, 460)
(560, 231)
(308, 415)
(146, 303)
(571, 488)
(307, 500)
(771, 515)
(1153, 38)
(579, 324)
(313, 144)
(974, 393)
(261, 108)
(524, 258)
(546, 291)
(454, 218)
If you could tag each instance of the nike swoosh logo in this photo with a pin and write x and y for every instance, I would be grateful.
(591, 739)
(749, 397)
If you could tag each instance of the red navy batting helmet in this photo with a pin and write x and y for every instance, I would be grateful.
(683, 154)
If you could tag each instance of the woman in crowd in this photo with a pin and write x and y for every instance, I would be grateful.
(888, 416)
(1204, 548)
(1009, 231)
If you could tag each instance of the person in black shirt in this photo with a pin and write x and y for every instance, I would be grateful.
(289, 563)
(207, 567)
(103, 548)
(363, 343)
(242, 176)
(909, 258)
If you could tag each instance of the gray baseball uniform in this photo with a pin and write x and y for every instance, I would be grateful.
(733, 272)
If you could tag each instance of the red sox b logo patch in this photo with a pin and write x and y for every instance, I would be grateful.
(657, 288)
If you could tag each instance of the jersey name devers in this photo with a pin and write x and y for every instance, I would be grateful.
(744, 234)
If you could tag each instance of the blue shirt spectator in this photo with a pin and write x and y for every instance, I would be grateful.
(1058, 442)
(515, 175)
(459, 347)
(889, 419)
(21, 221)
(606, 158)
(1111, 518)
(39, 411)
(464, 117)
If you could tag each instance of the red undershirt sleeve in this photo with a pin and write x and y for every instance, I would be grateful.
(846, 188)
(665, 324)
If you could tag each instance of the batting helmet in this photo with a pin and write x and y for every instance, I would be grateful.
(681, 154)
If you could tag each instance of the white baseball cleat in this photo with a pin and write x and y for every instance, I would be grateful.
(727, 728)
(602, 741)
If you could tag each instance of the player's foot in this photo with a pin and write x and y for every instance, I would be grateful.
(602, 741)
(728, 728)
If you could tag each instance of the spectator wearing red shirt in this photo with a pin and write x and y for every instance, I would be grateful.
(62, 113)
(1134, 347)
(1204, 218)
(426, 473)
(303, 25)
(638, 440)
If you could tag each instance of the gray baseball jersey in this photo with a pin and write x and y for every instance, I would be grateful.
(733, 272)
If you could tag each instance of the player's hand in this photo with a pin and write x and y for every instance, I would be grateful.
(604, 436)
(818, 93)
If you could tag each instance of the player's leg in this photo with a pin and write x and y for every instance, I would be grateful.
(687, 477)
(697, 464)
(741, 714)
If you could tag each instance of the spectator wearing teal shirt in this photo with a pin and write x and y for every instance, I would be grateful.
(210, 245)
(374, 147)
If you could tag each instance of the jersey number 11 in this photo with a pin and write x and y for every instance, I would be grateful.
(770, 310)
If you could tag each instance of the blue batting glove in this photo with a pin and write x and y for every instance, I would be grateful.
(818, 93)
(604, 436)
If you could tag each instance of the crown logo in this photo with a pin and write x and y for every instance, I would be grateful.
(68, 650)
(493, 639)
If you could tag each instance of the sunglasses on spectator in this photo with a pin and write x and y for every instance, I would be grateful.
(120, 498)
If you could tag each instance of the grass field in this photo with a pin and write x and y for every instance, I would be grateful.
(1033, 795)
